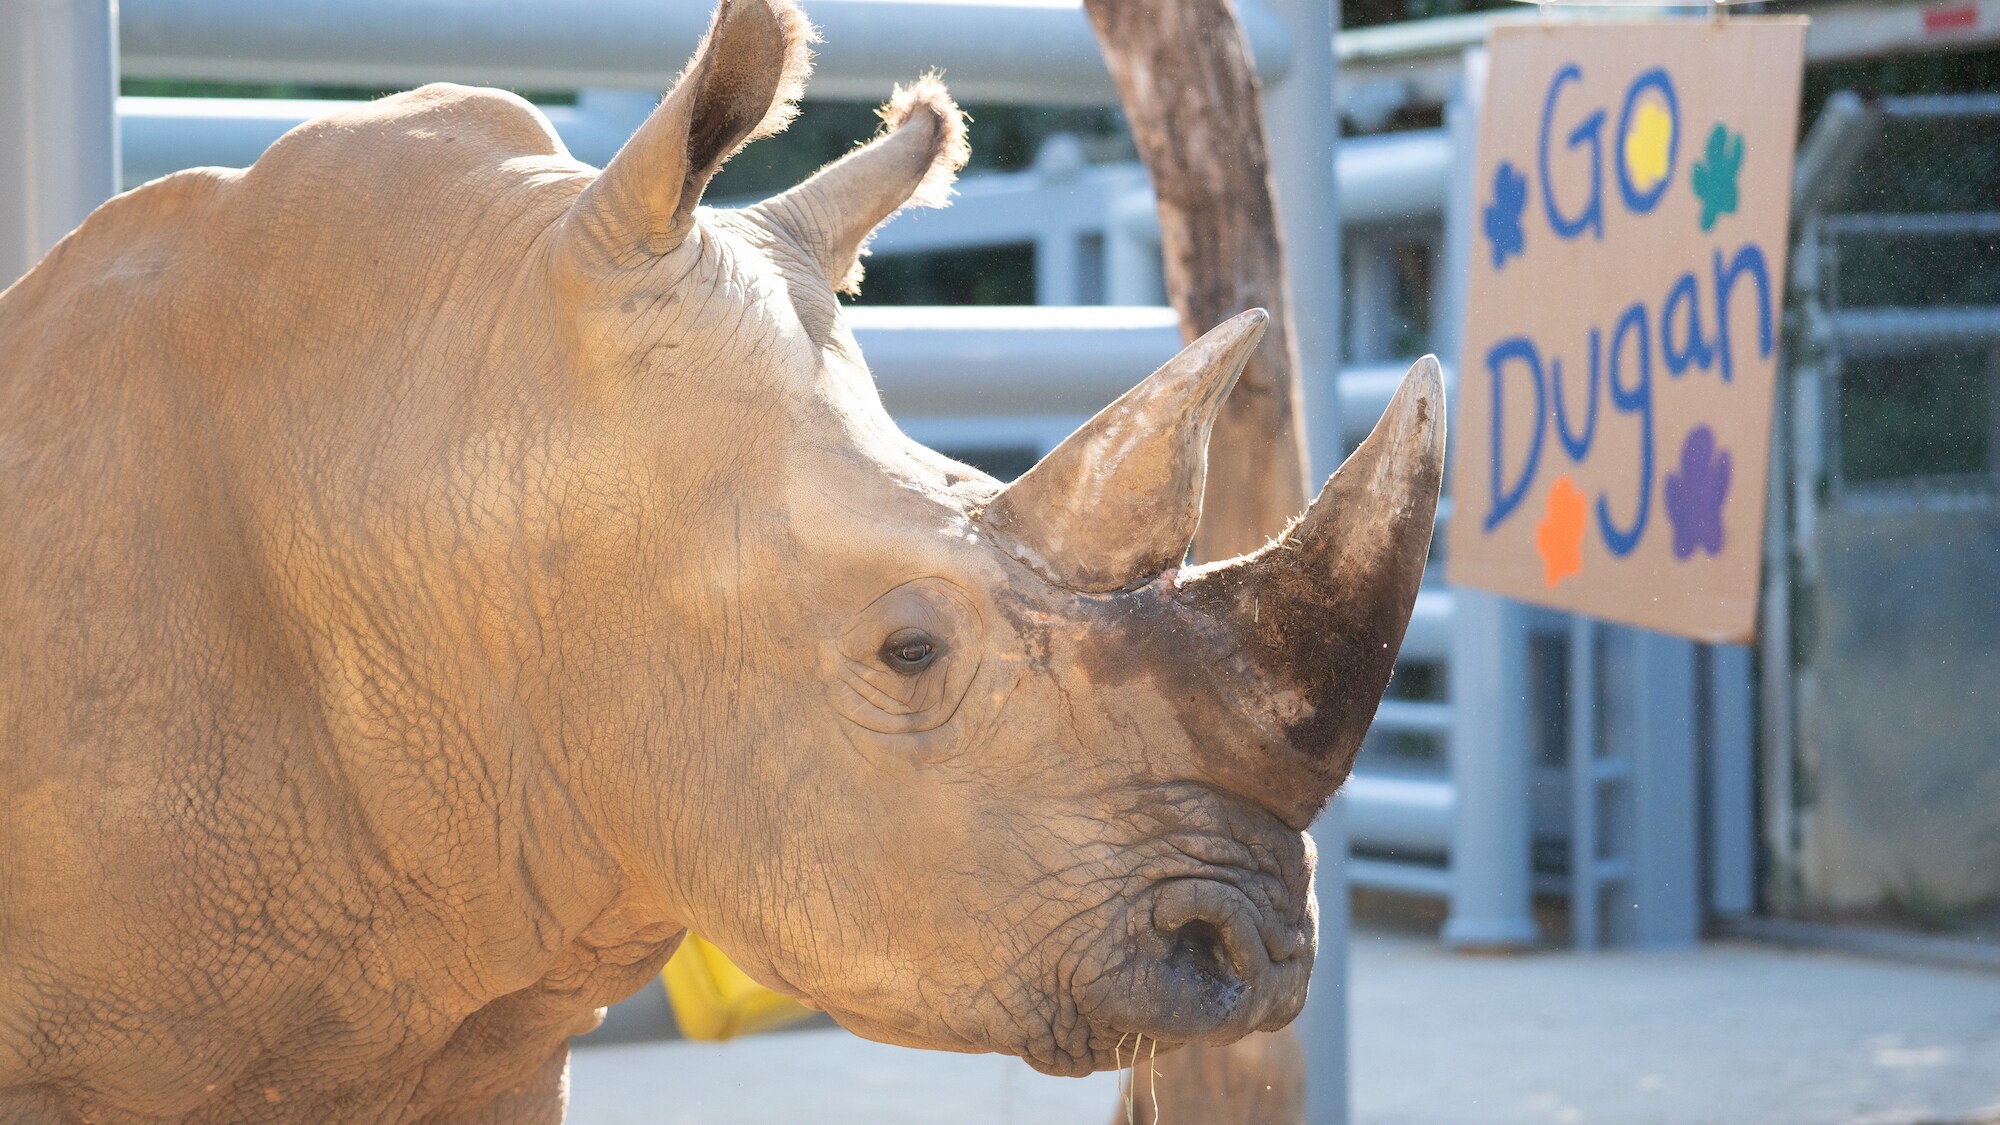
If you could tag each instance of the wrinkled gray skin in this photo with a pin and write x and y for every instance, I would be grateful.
(439, 575)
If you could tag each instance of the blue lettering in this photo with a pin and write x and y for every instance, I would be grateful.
(1640, 203)
(1638, 400)
(1522, 349)
(1592, 130)
(1577, 447)
(1692, 347)
(1749, 259)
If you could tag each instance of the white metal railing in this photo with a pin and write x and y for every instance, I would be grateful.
(162, 135)
(994, 51)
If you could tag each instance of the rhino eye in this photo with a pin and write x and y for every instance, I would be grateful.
(909, 651)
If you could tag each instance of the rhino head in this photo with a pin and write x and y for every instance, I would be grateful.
(968, 766)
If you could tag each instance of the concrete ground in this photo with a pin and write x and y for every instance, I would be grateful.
(1728, 1033)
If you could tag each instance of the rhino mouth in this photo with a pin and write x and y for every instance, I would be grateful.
(1204, 963)
(1208, 959)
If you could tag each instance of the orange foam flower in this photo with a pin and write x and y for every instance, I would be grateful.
(1559, 537)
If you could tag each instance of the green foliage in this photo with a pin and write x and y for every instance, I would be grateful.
(1925, 415)
(1938, 165)
(1965, 72)
(1919, 905)
(987, 275)
(1370, 13)
(1915, 416)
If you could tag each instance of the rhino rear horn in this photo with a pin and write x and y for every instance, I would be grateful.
(1117, 502)
(743, 83)
(1322, 609)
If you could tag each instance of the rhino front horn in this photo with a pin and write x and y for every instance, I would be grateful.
(1321, 610)
(1117, 502)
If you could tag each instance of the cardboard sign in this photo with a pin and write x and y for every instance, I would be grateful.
(1622, 318)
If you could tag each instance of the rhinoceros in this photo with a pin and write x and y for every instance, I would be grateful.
(437, 575)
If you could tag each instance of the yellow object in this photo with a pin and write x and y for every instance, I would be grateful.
(1648, 145)
(714, 1000)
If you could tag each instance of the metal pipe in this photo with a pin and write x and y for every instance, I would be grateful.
(1839, 33)
(1000, 50)
(1404, 816)
(1429, 635)
(1889, 331)
(1427, 879)
(1732, 775)
(1380, 179)
(1394, 175)
(1365, 391)
(1041, 359)
(58, 131)
(999, 359)
(1845, 129)
(1491, 889)
(163, 135)
(1666, 864)
(1491, 871)
(1303, 139)
(1586, 898)
(1416, 62)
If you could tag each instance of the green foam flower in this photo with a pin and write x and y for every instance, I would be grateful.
(1715, 175)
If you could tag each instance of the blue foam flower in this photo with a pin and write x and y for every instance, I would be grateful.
(1502, 217)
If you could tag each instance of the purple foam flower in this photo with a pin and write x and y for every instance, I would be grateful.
(1695, 494)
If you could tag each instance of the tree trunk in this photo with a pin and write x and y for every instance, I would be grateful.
(1190, 89)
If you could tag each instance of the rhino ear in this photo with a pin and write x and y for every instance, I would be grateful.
(742, 83)
(910, 163)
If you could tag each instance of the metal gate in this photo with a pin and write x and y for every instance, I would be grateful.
(1882, 651)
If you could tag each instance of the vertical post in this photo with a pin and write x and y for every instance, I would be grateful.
(1732, 873)
(1302, 119)
(1461, 122)
(1777, 657)
(1131, 258)
(1491, 874)
(1057, 268)
(58, 122)
(1304, 124)
(1325, 1026)
(1585, 850)
(1666, 871)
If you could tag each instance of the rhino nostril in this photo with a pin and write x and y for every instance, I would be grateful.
(1198, 944)
(1198, 955)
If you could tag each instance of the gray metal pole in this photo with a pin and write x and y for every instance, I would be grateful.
(1666, 875)
(1732, 782)
(58, 122)
(1303, 127)
(1491, 879)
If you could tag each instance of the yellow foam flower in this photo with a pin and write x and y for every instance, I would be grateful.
(1646, 145)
